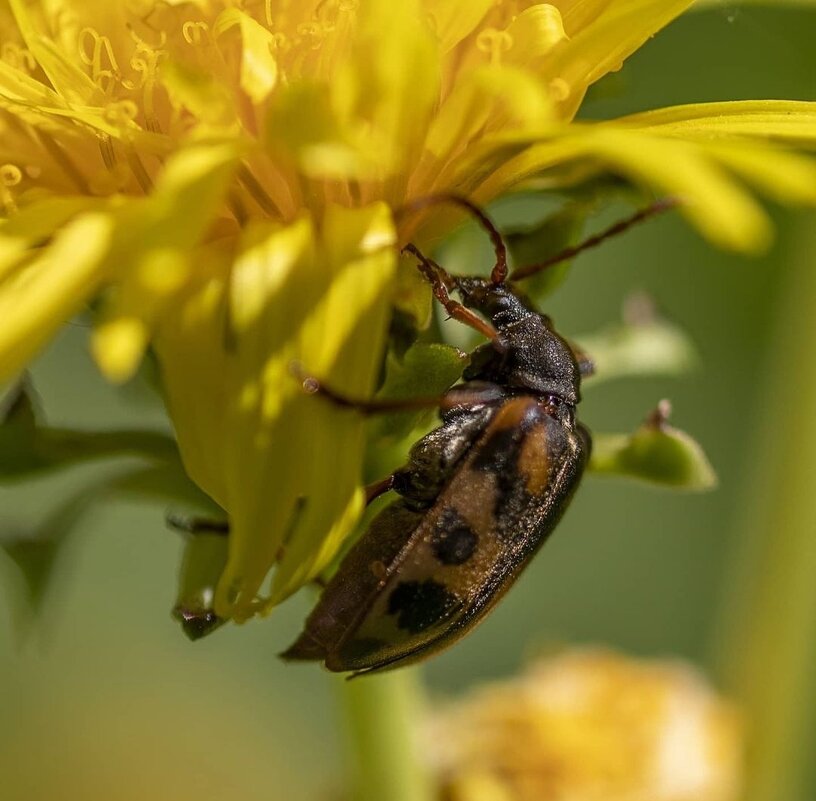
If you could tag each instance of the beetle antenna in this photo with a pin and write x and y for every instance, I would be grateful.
(658, 207)
(498, 274)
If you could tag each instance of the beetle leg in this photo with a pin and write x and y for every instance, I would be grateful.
(458, 396)
(313, 386)
(440, 282)
(373, 491)
(659, 206)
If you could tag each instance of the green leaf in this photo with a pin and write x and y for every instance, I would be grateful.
(657, 453)
(644, 344)
(547, 238)
(426, 370)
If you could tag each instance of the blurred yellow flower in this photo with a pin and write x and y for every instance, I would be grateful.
(590, 725)
(222, 176)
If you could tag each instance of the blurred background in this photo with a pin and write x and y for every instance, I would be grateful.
(104, 697)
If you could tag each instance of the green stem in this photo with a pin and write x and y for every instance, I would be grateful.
(767, 635)
(381, 719)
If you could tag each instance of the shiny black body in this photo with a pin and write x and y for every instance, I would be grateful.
(478, 497)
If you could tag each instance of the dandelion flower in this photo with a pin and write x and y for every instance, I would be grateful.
(595, 725)
(221, 179)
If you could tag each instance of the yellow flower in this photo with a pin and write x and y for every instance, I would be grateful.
(590, 725)
(222, 176)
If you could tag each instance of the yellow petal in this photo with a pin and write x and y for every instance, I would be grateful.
(36, 300)
(259, 70)
(787, 177)
(485, 103)
(786, 121)
(453, 20)
(494, 97)
(618, 30)
(190, 345)
(16, 85)
(118, 343)
(62, 70)
(199, 92)
(120, 339)
(534, 33)
(386, 92)
(154, 240)
(578, 14)
(366, 120)
(35, 223)
(188, 194)
(345, 336)
(301, 119)
(717, 206)
(293, 461)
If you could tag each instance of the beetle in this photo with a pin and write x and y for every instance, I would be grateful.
(478, 496)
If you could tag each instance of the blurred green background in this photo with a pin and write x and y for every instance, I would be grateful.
(104, 697)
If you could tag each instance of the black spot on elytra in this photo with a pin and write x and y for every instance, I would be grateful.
(453, 540)
(420, 604)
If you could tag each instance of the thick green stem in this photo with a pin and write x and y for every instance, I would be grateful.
(382, 714)
(767, 637)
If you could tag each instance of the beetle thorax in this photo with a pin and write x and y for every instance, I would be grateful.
(530, 354)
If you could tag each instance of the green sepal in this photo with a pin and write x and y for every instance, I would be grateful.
(657, 453)
(205, 556)
(537, 243)
(35, 551)
(34, 555)
(18, 432)
(644, 344)
(29, 448)
(166, 483)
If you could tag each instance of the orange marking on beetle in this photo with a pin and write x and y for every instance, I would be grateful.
(379, 570)
(511, 414)
(533, 461)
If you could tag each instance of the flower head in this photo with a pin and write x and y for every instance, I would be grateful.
(221, 176)
(591, 724)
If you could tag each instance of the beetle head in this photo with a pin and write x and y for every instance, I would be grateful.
(498, 302)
